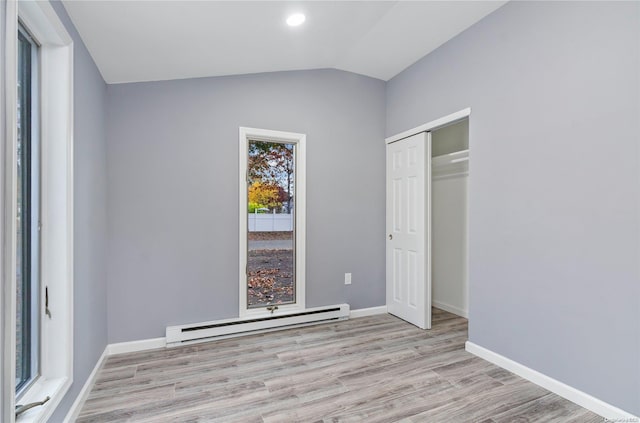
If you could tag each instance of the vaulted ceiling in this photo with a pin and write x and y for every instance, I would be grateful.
(152, 40)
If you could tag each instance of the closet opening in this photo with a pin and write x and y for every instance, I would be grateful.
(449, 219)
(427, 213)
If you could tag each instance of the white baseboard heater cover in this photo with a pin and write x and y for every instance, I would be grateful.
(183, 334)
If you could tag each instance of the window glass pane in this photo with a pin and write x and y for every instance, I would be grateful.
(271, 224)
(27, 212)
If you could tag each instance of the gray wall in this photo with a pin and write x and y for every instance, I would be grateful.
(554, 193)
(90, 218)
(173, 192)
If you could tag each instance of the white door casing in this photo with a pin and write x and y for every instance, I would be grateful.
(408, 252)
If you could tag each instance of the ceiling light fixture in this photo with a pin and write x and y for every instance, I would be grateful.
(296, 19)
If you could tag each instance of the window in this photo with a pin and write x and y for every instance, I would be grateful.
(272, 222)
(40, 221)
(271, 176)
(28, 216)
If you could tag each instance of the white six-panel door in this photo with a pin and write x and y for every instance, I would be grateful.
(409, 229)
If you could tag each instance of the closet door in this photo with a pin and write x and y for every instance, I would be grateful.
(409, 229)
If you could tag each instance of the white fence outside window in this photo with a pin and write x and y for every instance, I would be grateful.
(270, 222)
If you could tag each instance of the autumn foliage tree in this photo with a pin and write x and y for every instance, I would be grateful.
(272, 165)
(265, 194)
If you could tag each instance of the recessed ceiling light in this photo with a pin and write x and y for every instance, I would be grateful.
(295, 19)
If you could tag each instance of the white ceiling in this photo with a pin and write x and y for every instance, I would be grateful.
(154, 40)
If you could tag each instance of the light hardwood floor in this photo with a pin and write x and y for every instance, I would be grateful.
(371, 369)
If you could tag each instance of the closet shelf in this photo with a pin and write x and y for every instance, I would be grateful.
(450, 165)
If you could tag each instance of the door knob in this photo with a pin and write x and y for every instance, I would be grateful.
(390, 237)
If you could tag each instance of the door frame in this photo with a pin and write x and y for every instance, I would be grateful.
(429, 127)
(300, 140)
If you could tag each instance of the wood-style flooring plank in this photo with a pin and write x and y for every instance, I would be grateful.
(373, 369)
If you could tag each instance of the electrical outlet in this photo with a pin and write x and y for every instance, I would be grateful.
(347, 278)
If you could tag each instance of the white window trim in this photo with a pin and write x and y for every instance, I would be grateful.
(299, 140)
(56, 123)
(9, 74)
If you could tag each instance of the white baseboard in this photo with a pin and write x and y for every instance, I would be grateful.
(74, 411)
(451, 309)
(583, 399)
(135, 346)
(371, 311)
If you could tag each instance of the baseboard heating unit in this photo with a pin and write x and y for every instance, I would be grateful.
(198, 332)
